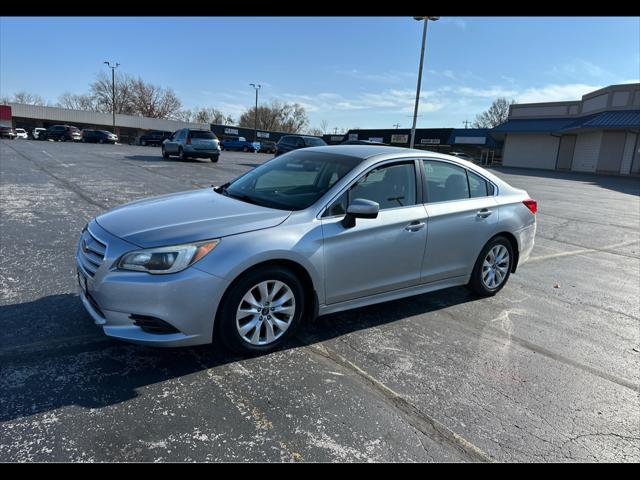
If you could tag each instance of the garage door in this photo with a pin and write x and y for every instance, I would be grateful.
(531, 151)
(585, 155)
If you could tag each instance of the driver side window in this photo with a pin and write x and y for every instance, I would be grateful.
(391, 186)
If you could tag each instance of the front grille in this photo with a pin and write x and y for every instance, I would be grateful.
(91, 252)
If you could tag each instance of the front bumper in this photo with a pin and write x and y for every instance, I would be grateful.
(186, 300)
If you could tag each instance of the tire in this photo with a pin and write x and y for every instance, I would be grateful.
(181, 155)
(215, 158)
(228, 327)
(101, 141)
(245, 149)
(221, 148)
(483, 276)
(165, 155)
(143, 143)
(62, 139)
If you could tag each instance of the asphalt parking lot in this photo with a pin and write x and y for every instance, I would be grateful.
(548, 370)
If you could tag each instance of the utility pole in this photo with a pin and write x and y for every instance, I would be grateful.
(255, 123)
(113, 92)
(466, 123)
(397, 125)
(415, 110)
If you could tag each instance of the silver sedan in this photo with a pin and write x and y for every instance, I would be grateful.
(315, 231)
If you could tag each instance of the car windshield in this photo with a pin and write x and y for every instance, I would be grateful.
(314, 142)
(291, 182)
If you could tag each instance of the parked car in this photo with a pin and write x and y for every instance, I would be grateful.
(98, 136)
(192, 143)
(239, 143)
(362, 142)
(62, 133)
(154, 137)
(7, 132)
(36, 133)
(315, 231)
(267, 147)
(21, 133)
(294, 142)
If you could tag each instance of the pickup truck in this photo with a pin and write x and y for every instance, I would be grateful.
(239, 143)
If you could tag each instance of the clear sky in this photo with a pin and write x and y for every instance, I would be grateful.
(349, 71)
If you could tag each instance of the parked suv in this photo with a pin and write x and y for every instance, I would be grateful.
(239, 143)
(154, 137)
(7, 132)
(267, 147)
(37, 131)
(294, 142)
(62, 133)
(98, 136)
(21, 133)
(192, 143)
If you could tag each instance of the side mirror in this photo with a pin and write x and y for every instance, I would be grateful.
(360, 208)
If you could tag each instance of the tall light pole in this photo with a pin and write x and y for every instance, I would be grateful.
(255, 123)
(113, 92)
(415, 110)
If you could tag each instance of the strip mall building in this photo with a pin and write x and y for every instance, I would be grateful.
(599, 133)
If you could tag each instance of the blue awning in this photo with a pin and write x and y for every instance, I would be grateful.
(620, 119)
(543, 125)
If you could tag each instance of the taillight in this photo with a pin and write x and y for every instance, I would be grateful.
(532, 205)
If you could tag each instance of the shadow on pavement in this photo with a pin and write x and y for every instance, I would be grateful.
(99, 372)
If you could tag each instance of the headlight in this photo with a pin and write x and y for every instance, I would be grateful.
(166, 259)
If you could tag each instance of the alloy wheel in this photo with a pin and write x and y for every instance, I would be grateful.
(495, 267)
(265, 312)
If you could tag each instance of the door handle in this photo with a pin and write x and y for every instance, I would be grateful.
(415, 226)
(484, 213)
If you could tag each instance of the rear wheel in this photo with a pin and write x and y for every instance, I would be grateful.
(143, 143)
(181, 155)
(492, 268)
(215, 158)
(62, 139)
(245, 149)
(261, 310)
(164, 153)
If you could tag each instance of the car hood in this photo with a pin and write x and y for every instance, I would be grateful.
(186, 217)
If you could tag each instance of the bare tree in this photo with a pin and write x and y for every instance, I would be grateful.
(77, 102)
(318, 132)
(324, 125)
(24, 97)
(211, 115)
(152, 101)
(101, 92)
(277, 116)
(497, 114)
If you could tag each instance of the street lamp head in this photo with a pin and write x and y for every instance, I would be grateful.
(433, 19)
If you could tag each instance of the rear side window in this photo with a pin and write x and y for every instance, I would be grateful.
(445, 181)
(477, 185)
(314, 142)
(201, 134)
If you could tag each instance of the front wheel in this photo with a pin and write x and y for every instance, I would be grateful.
(492, 268)
(165, 155)
(245, 149)
(215, 158)
(261, 310)
(181, 155)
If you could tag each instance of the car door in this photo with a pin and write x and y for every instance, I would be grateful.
(172, 143)
(463, 216)
(380, 254)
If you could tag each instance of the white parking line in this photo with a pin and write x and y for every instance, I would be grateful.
(581, 251)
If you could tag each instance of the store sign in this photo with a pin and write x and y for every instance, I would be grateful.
(231, 131)
(263, 134)
(353, 136)
(430, 141)
(399, 138)
(376, 139)
(337, 138)
(471, 140)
